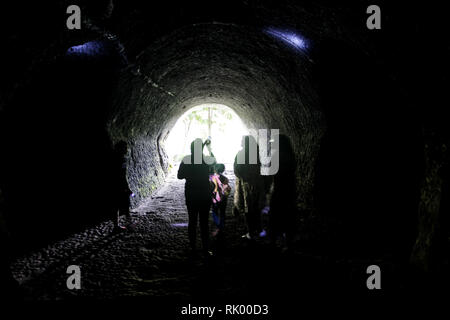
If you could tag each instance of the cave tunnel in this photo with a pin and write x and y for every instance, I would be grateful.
(367, 156)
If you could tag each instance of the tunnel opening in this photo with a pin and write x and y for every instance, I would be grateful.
(216, 122)
(203, 64)
(370, 144)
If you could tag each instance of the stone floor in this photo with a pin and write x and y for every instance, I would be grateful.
(151, 260)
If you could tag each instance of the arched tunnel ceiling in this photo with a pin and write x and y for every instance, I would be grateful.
(264, 81)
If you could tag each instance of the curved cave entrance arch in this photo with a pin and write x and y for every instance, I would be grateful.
(265, 81)
(217, 121)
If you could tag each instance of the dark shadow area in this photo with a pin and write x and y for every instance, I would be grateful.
(370, 162)
(57, 169)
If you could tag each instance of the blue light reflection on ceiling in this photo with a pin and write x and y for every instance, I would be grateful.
(289, 37)
(91, 48)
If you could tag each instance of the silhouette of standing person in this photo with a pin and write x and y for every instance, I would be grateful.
(221, 192)
(250, 187)
(195, 168)
(121, 190)
(283, 199)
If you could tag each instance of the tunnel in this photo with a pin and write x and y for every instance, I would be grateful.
(249, 79)
(367, 154)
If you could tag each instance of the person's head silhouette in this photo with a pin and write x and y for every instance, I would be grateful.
(284, 144)
(219, 168)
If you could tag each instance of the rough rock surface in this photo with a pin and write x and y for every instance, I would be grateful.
(151, 260)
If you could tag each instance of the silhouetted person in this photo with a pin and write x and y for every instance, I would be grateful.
(250, 187)
(195, 168)
(121, 191)
(238, 199)
(283, 206)
(221, 192)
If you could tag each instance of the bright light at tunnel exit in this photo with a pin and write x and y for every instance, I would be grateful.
(218, 121)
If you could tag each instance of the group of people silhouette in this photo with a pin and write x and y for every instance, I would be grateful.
(207, 188)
